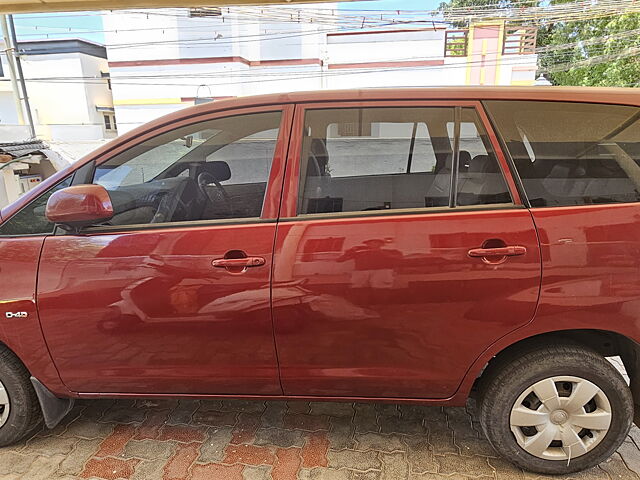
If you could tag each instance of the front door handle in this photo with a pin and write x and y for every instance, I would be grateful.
(242, 263)
(506, 251)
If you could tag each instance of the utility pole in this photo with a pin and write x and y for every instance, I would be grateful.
(12, 69)
(16, 56)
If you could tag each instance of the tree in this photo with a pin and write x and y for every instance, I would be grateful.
(603, 52)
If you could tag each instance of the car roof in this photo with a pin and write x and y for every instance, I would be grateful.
(630, 96)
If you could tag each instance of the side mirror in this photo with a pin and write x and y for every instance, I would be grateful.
(73, 208)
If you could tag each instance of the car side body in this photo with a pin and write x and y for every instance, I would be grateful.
(393, 301)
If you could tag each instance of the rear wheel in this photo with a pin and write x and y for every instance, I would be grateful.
(19, 407)
(555, 410)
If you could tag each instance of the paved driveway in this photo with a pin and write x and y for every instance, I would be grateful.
(236, 439)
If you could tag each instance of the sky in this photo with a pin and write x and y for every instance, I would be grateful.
(85, 24)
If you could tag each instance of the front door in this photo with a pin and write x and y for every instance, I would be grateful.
(401, 253)
(172, 295)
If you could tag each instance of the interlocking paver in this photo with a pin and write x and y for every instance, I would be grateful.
(251, 440)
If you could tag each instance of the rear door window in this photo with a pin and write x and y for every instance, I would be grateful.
(572, 153)
(395, 158)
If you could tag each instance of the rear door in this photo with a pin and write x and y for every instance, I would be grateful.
(401, 252)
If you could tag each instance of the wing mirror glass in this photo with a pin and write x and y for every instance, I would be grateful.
(74, 208)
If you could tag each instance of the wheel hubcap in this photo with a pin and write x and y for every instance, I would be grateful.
(4, 405)
(560, 418)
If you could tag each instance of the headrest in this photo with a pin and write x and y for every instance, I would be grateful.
(219, 170)
(464, 159)
(483, 164)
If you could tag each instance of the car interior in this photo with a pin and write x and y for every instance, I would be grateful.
(216, 177)
(592, 163)
(480, 180)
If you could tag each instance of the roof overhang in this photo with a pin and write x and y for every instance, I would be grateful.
(33, 6)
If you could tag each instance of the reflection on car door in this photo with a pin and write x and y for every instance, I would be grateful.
(386, 283)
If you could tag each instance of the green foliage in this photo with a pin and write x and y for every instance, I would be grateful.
(594, 61)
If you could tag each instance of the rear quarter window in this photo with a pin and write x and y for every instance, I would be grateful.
(572, 153)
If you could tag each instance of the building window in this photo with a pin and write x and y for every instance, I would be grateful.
(205, 12)
(109, 122)
(106, 75)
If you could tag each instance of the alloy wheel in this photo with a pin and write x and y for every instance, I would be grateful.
(560, 418)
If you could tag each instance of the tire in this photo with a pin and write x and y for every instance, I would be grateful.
(19, 399)
(509, 393)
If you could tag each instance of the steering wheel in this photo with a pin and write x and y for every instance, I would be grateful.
(205, 179)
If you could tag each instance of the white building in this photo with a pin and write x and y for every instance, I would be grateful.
(69, 92)
(186, 54)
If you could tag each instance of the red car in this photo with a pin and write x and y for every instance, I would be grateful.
(417, 246)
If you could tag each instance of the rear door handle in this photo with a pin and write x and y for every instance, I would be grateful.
(238, 262)
(507, 251)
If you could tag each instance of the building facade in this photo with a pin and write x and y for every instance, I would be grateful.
(192, 55)
(69, 93)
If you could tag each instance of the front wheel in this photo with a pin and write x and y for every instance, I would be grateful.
(556, 410)
(19, 407)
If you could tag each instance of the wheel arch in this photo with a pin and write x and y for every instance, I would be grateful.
(604, 342)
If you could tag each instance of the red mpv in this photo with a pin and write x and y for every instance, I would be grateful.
(421, 246)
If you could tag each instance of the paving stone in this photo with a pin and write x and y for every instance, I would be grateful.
(212, 449)
(245, 429)
(340, 435)
(87, 428)
(378, 441)
(216, 471)
(332, 409)
(469, 444)
(394, 466)
(298, 407)
(505, 470)
(631, 456)
(182, 433)
(247, 406)
(320, 473)
(307, 422)
(365, 418)
(183, 412)
(287, 464)
(43, 468)
(120, 413)
(148, 449)
(280, 437)
(251, 472)
(273, 415)
(401, 425)
(474, 466)
(109, 468)
(179, 464)
(314, 452)
(114, 444)
(594, 473)
(51, 445)
(150, 427)
(249, 454)
(75, 461)
(441, 440)
(148, 470)
(617, 469)
(420, 455)
(370, 475)
(13, 462)
(214, 418)
(353, 459)
(387, 409)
